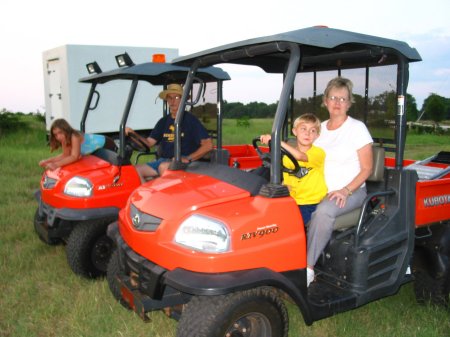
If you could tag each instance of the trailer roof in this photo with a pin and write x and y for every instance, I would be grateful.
(321, 48)
(156, 74)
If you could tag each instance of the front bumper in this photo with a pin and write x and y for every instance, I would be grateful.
(56, 223)
(141, 282)
(146, 286)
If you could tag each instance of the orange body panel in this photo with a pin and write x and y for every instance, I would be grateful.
(244, 156)
(101, 175)
(432, 201)
(432, 196)
(255, 223)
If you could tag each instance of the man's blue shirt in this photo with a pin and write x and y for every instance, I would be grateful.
(192, 133)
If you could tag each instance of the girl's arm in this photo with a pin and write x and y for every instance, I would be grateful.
(45, 162)
(70, 154)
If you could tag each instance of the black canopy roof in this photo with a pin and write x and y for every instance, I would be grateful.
(156, 74)
(321, 48)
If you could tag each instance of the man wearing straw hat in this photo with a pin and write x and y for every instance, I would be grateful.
(195, 140)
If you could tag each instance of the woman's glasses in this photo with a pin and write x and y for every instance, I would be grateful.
(337, 99)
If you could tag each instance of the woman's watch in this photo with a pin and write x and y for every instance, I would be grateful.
(348, 190)
(189, 159)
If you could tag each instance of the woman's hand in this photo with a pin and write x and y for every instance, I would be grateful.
(340, 196)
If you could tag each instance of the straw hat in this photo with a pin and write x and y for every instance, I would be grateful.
(171, 89)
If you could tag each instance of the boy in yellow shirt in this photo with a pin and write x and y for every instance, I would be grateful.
(309, 188)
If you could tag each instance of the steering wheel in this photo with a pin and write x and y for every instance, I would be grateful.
(267, 159)
(136, 143)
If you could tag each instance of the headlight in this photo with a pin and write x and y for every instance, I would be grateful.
(78, 187)
(204, 234)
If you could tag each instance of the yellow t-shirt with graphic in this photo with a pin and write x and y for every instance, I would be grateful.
(311, 187)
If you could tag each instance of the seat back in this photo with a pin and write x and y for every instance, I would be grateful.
(378, 165)
(374, 181)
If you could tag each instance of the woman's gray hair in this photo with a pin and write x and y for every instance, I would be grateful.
(338, 83)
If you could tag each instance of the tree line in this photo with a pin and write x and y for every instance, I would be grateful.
(381, 107)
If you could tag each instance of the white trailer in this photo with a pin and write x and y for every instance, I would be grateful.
(65, 97)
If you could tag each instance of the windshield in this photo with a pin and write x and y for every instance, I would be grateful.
(206, 108)
(374, 105)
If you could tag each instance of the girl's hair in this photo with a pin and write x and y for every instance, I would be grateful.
(308, 118)
(68, 131)
(338, 83)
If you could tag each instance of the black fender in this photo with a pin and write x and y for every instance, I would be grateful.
(205, 284)
(113, 230)
(192, 283)
(76, 214)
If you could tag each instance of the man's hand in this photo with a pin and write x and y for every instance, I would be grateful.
(128, 130)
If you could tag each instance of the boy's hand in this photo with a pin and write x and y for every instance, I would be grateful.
(265, 139)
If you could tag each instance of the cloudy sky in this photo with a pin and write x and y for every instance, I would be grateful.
(30, 27)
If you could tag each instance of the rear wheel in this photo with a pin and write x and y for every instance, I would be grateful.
(89, 248)
(432, 290)
(251, 313)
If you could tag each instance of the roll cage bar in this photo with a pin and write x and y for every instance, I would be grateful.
(307, 50)
(153, 73)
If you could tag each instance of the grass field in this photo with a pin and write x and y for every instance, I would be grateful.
(40, 296)
(418, 146)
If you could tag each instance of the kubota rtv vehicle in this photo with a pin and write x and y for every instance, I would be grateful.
(220, 248)
(78, 201)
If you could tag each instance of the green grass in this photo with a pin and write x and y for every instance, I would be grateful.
(40, 296)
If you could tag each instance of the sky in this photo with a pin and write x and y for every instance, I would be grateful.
(30, 27)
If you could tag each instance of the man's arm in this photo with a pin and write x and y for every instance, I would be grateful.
(149, 140)
(206, 145)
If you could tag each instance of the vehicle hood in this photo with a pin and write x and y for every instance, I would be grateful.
(80, 167)
(184, 192)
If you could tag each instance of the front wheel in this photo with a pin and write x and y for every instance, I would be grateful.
(258, 312)
(89, 248)
(111, 277)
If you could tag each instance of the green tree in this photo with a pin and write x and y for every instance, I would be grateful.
(435, 108)
(447, 108)
(10, 122)
(386, 103)
(412, 113)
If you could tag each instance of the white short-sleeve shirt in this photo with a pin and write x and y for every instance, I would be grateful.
(341, 145)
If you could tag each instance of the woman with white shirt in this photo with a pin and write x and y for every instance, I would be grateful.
(348, 163)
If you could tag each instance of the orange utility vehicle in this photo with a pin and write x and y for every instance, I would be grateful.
(219, 249)
(77, 202)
